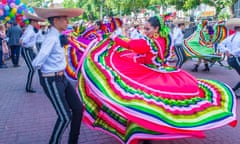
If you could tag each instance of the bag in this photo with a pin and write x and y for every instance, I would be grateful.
(4, 47)
(4, 42)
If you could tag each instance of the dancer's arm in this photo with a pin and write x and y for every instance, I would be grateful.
(139, 46)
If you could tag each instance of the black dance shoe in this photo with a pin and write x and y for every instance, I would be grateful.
(30, 90)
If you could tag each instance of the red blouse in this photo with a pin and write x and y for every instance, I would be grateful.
(146, 52)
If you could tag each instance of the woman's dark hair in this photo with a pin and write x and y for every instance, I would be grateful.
(154, 22)
(99, 23)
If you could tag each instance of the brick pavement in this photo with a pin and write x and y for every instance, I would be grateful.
(29, 118)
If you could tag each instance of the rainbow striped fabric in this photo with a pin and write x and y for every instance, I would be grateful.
(78, 42)
(196, 47)
(132, 102)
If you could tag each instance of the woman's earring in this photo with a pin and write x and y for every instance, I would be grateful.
(155, 35)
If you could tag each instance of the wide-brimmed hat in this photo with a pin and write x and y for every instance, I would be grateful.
(233, 22)
(57, 10)
(33, 17)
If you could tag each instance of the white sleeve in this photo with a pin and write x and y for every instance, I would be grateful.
(176, 34)
(26, 37)
(225, 44)
(44, 52)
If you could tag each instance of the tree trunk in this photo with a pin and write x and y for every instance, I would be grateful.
(231, 8)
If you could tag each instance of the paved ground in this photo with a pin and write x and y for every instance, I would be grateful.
(29, 118)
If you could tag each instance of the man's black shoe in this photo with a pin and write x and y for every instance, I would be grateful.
(3, 66)
(16, 65)
(30, 91)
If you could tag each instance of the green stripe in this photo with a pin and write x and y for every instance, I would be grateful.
(96, 75)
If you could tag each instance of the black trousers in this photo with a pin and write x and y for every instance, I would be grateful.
(234, 62)
(28, 56)
(67, 106)
(1, 57)
(181, 56)
(38, 46)
(15, 52)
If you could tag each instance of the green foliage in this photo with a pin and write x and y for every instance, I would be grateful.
(115, 7)
(33, 3)
(223, 16)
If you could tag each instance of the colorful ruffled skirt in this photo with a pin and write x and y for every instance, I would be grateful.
(132, 102)
(73, 52)
(194, 49)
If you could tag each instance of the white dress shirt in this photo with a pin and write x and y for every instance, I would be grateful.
(135, 34)
(29, 37)
(51, 57)
(40, 36)
(231, 44)
(178, 36)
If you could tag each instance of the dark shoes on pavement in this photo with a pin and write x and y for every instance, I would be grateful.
(195, 69)
(16, 65)
(31, 90)
(3, 66)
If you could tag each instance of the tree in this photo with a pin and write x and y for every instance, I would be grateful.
(93, 8)
(33, 3)
(190, 4)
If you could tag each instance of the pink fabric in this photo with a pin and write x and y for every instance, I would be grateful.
(143, 49)
(124, 64)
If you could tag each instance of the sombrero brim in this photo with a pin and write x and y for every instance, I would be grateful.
(233, 22)
(33, 17)
(53, 12)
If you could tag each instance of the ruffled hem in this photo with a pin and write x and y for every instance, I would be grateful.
(132, 101)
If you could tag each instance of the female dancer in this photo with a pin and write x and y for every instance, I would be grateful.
(130, 92)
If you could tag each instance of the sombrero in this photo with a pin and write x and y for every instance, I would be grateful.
(58, 10)
(33, 17)
(233, 22)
